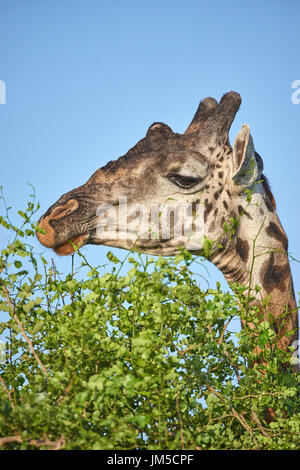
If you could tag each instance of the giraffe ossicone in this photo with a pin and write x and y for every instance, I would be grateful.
(181, 189)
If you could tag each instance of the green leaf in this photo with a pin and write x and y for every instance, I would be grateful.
(112, 257)
(37, 328)
(29, 306)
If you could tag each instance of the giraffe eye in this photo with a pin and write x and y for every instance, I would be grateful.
(185, 182)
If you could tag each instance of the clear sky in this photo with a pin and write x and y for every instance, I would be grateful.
(85, 78)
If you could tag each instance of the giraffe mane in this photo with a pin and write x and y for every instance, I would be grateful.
(267, 188)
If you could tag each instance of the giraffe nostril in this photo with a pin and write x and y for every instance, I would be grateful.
(62, 211)
(46, 234)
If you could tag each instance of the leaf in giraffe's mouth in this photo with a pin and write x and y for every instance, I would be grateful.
(71, 245)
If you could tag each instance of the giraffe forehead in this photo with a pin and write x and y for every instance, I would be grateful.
(184, 160)
(164, 152)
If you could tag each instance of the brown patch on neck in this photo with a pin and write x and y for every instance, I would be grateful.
(242, 211)
(275, 232)
(274, 276)
(242, 248)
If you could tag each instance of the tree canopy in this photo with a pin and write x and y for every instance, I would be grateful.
(146, 359)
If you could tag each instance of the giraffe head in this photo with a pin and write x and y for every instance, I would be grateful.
(169, 191)
(184, 190)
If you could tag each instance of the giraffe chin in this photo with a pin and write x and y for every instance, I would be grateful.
(70, 246)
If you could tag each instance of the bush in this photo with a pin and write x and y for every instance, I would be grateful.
(144, 360)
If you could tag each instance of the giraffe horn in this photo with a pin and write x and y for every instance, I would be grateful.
(219, 121)
(205, 108)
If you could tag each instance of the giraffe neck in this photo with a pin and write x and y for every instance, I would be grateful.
(258, 257)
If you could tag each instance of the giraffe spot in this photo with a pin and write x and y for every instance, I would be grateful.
(242, 211)
(208, 207)
(228, 193)
(225, 204)
(275, 232)
(216, 211)
(242, 248)
(221, 158)
(212, 226)
(273, 276)
(221, 174)
(216, 195)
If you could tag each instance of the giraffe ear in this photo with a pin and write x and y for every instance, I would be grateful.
(245, 168)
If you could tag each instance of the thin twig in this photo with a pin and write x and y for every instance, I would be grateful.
(54, 269)
(268, 394)
(67, 389)
(8, 439)
(257, 420)
(180, 421)
(7, 392)
(53, 445)
(23, 331)
(240, 418)
(235, 368)
(224, 329)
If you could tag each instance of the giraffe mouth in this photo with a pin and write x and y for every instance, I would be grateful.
(61, 243)
(70, 246)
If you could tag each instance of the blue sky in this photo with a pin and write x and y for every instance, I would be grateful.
(85, 79)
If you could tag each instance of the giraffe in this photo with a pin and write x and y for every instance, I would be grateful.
(228, 197)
